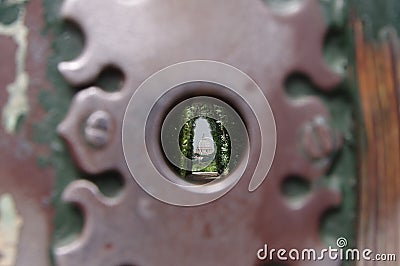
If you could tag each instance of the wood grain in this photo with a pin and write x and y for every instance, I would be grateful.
(379, 179)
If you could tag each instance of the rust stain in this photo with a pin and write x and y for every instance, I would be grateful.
(29, 185)
(379, 194)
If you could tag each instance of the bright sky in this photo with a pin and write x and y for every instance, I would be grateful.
(202, 127)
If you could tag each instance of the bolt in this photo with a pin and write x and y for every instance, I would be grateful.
(97, 129)
(318, 139)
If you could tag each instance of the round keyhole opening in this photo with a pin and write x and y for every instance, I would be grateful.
(203, 139)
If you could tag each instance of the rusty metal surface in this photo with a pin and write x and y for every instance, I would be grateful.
(142, 37)
(378, 80)
(20, 176)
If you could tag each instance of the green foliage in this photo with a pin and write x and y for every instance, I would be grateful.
(216, 132)
(219, 134)
(186, 137)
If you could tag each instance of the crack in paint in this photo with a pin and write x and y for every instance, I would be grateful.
(10, 226)
(17, 105)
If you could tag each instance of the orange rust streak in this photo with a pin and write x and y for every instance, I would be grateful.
(365, 81)
(392, 145)
(379, 151)
(379, 193)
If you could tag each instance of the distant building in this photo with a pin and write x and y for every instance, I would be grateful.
(205, 146)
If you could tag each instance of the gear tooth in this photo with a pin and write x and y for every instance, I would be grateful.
(67, 255)
(92, 203)
(68, 9)
(71, 10)
(325, 77)
(310, 59)
(80, 191)
(85, 194)
(83, 69)
(89, 64)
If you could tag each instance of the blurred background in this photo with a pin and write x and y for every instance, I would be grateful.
(43, 222)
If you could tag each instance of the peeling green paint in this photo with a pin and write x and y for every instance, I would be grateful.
(66, 44)
(376, 15)
(17, 104)
(10, 227)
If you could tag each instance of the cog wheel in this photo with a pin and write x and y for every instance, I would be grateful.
(141, 37)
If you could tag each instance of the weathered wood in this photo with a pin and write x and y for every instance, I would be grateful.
(379, 148)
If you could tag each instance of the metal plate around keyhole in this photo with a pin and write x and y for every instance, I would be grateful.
(144, 37)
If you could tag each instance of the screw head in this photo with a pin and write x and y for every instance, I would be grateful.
(97, 129)
(318, 139)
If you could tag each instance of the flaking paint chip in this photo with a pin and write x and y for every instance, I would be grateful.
(10, 227)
